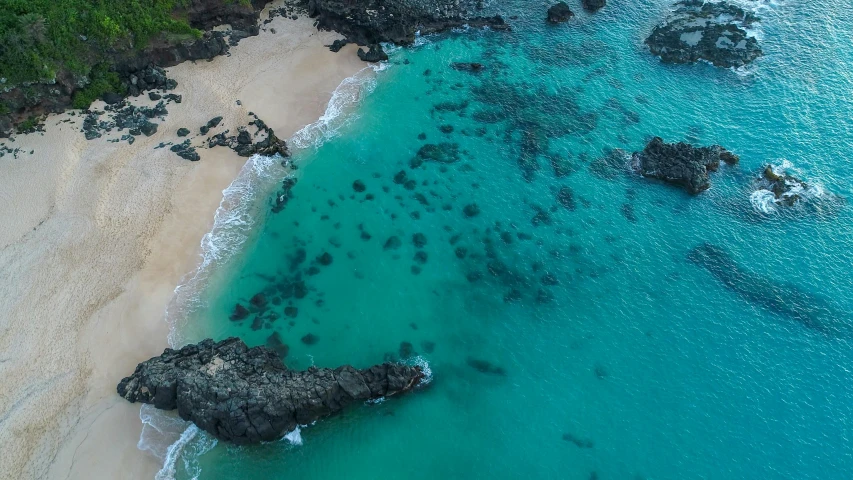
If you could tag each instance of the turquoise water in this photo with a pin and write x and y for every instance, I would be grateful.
(574, 338)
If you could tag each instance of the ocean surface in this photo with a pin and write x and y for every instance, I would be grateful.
(579, 321)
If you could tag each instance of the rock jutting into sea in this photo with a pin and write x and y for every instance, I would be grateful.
(711, 31)
(369, 22)
(681, 163)
(787, 189)
(247, 395)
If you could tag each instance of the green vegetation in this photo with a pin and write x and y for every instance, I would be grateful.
(39, 38)
(102, 80)
(29, 125)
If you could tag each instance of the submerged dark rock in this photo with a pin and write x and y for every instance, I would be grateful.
(393, 243)
(681, 163)
(247, 395)
(812, 311)
(484, 366)
(472, 67)
(471, 210)
(559, 13)
(577, 441)
(711, 31)
(593, 5)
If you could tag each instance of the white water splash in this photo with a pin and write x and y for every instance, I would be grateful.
(294, 437)
(192, 444)
(344, 98)
(425, 368)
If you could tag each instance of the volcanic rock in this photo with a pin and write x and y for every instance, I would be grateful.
(247, 395)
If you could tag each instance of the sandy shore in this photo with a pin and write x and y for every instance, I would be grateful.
(96, 235)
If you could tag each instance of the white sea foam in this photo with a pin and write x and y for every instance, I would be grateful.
(294, 437)
(764, 201)
(160, 429)
(346, 96)
(192, 444)
(375, 401)
(425, 368)
(232, 223)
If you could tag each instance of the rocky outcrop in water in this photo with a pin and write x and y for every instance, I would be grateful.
(247, 395)
(559, 13)
(369, 22)
(775, 190)
(681, 163)
(712, 31)
(787, 189)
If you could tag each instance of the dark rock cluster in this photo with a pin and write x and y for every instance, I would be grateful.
(150, 77)
(124, 116)
(711, 31)
(247, 395)
(263, 142)
(681, 163)
(368, 22)
(559, 13)
(186, 151)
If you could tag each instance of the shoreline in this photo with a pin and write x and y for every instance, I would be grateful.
(100, 234)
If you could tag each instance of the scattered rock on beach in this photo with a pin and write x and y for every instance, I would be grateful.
(185, 151)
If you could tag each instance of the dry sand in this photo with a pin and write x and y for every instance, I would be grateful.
(96, 235)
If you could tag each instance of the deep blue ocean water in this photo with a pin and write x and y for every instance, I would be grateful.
(569, 335)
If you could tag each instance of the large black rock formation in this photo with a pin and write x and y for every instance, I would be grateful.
(368, 22)
(681, 163)
(247, 395)
(711, 31)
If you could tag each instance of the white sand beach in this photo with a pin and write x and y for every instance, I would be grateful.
(96, 236)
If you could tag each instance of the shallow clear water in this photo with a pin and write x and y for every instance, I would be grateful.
(629, 360)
